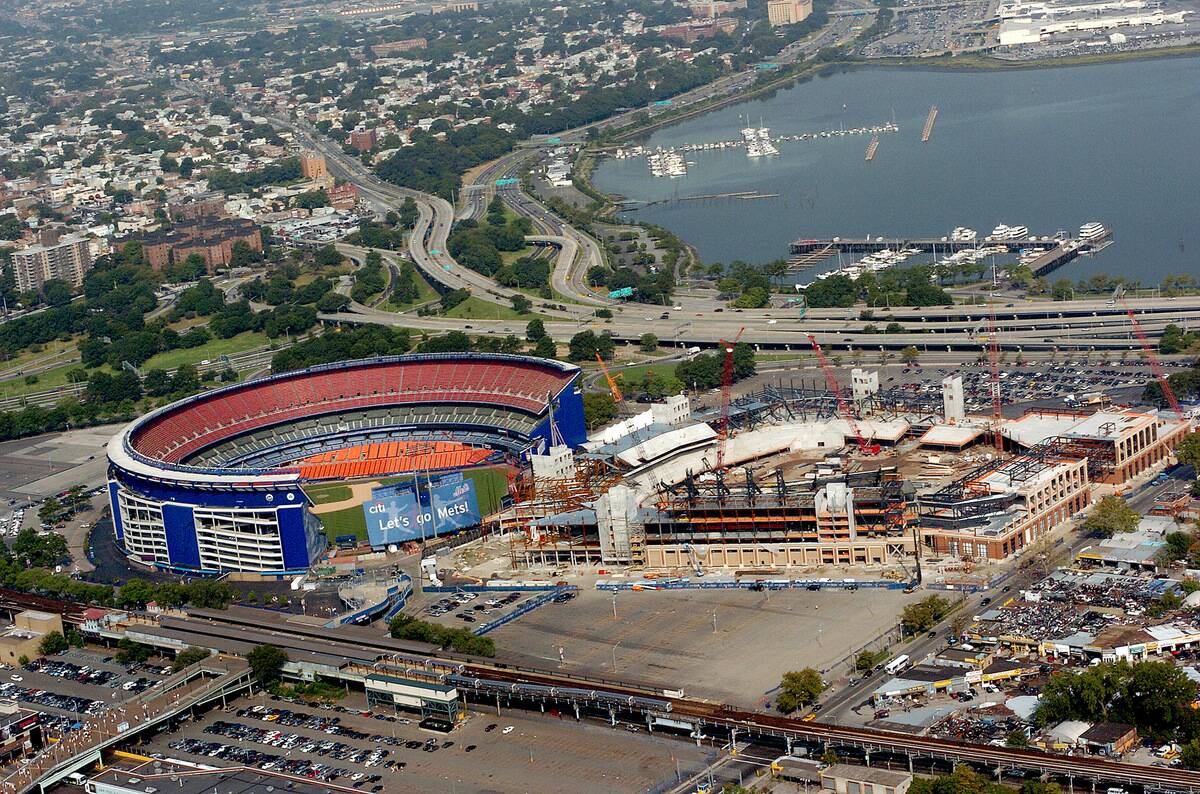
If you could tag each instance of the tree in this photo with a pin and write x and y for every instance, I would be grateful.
(266, 663)
(188, 656)
(599, 409)
(1189, 754)
(909, 355)
(51, 511)
(1110, 516)
(130, 651)
(648, 343)
(521, 304)
(799, 688)
(53, 643)
(545, 348)
(1016, 738)
(535, 330)
(1154, 697)
(924, 614)
(1188, 451)
(585, 345)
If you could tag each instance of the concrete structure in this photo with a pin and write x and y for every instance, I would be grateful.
(389, 48)
(788, 12)
(313, 165)
(851, 779)
(954, 408)
(20, 731)
(698, 29)
(864, 384)
(67, 260)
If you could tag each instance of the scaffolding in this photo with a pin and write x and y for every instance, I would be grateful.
(574, 497)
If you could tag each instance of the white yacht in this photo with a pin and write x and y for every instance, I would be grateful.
(1092, 231)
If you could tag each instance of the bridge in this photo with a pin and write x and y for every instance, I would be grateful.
(206, 681)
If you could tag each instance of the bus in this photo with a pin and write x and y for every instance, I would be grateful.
(896, 665)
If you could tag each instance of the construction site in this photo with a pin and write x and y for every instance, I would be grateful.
(791, 478)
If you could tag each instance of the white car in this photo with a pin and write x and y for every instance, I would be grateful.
(507, 730)
(16, 678)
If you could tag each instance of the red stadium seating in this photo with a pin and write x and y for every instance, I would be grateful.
(175, 435)
(390, 457)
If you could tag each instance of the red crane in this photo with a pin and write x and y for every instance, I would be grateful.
(864, 446)
(1155, 367)
(726, 387)
(994, 387)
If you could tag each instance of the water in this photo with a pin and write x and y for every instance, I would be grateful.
(1048, 148)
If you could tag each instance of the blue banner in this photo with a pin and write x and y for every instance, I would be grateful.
(400, 513)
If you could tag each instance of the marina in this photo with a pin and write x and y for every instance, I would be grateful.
(1041, 255)
(667, 162)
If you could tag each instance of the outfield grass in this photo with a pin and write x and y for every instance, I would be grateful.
(211, 350)
(324, 494)
(491, 485)
(474, 308)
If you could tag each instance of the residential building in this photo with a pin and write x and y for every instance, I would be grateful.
(313, 165)
(363, 140)
(206, 205)
(788, 12)
(707, 9)
(697, 29)
(69, 260)
(851, 779)
(212, 239)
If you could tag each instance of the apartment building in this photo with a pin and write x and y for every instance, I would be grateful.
(69, 260)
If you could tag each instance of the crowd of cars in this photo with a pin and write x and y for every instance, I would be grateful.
(40, 697)
(248, 756)
(85, 674)
(472, 613)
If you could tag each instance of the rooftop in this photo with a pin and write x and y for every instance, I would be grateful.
(179, 778)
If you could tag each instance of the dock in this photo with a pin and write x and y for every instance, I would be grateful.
(872, 147)
(744, 195)
(1059, 251)
(927, 130)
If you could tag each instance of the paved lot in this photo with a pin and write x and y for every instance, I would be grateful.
(541, 754)
(666, 638)
(48, 464)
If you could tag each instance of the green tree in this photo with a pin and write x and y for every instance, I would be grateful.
(599, 409)
(189, 656)
(1189, 754)
(545, 348)
(909, 355)
(585, 345)
(535, 330)
(51, 511)
(1110, 516)
(648, 343)
(266, 663)
(799, 688)
(1188, 451)
(130, 651)
(925, 614)
(53, 643)
(521, 304)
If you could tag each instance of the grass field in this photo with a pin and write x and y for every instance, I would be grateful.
(49, 354)
(474, 308)
(508, 257)
(54, 378)
(172, 359)
(491, 485)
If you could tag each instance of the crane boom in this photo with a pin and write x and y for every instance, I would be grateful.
(612, 384)
(726, 393)
(1159, 374)
(843, 409)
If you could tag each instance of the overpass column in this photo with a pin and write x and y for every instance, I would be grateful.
(576, 705)
(497, 704)
(867, 756)
(788, 739)
(910, 764)
(543, 706)
(649, 722)
(612, 716)
(1071, 783)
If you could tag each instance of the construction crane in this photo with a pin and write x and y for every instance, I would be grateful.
(618, 398)
(726, 389)
(994, 385)
(865, 447)
(1159, 373)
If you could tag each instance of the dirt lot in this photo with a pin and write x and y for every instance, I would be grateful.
(666, 638)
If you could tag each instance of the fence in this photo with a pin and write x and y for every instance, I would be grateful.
(524, 609)
(504, 588)
(750, 584)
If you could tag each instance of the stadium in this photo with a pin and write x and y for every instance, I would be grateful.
(222, 481)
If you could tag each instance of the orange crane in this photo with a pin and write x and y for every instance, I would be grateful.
(618, 398)
(1159, 374)
(864, 446)
(726, 389)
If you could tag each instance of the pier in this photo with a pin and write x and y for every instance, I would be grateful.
(872, 147)
(927, 130)
(1058, 250)
(743, 195)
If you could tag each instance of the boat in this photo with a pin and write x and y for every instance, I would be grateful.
(1092, 231)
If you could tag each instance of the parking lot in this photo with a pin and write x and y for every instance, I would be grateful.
(515, 751)
(468, 610)
(667, 638)
(74, 684)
